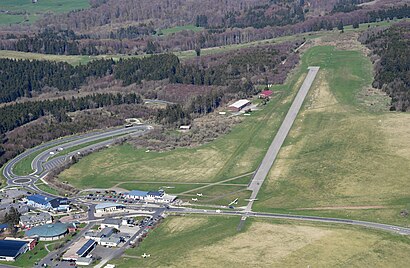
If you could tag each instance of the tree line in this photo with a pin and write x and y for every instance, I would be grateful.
(15, 115)
(18, 78)
(392, 46)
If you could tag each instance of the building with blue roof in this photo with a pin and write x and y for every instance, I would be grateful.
(86, 248)
(11, 249)
(48, 232)
(137, 195)
(48, 203)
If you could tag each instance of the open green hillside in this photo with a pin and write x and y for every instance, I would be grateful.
(214, 242)
(24, 11)
(340, 159)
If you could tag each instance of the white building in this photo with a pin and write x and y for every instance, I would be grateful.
(111, 223)
(108, 207)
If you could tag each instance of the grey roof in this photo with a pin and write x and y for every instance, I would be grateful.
(48, 230)
(33, 218)
(111, 239)
(111, 221)
(106, 232)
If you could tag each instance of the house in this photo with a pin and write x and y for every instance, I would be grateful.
(10, 250)
(31, 220)
(108, 207)
(112, 223)
(136, 195)
(48, 203)
(238, 105)
(72, 227)
(266, 94)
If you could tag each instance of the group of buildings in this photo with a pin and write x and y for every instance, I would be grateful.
(151, 196)
(38, 224)
(241, 104)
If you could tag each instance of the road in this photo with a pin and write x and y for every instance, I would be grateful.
(267, 162)
(41, 163)
(373, 225)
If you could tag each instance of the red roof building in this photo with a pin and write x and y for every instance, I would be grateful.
(266, 94)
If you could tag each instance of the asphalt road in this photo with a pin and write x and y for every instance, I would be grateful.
(41, 163)
(373, 225)
(280, 137)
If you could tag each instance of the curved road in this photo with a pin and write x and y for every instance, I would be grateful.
(40, 161)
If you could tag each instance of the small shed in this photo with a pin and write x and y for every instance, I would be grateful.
(238, 105)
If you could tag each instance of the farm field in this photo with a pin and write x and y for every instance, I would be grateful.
(340, 159)
(25, 9)
(214, 242)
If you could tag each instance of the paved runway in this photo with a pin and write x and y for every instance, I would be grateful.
(280, 137)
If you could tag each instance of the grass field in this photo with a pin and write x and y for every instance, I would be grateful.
(32, 11)
(339, 154)
(176, 29)
(199, 241)
(235, 154)
(46, 188)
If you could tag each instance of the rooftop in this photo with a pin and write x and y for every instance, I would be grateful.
(42, 216)
(85, 247)
(156, 193)
(48, 230)
(39, 199)
(106, 205)
(138, 193)
(111, 221)
(239, 104)
(10, 248)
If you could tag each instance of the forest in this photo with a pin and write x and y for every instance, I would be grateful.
(127, 27)
(392, 46)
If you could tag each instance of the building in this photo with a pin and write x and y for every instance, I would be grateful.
(108, 207)
(97, 236)
(266, 94)
(83, 261)
(86, 248)
(3, 227)
(10, 250)
(185, 128)
(31, 242)
(238, 105)
(31, 220)
(48, 203)
(48, 232)
(111, 241)
(72, 227)
(137, 195)
(110, 222)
